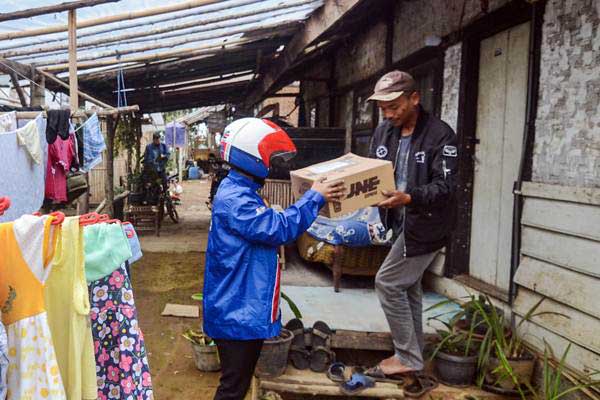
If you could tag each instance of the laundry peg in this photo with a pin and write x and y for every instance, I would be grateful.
(104, 218)
(4, 204)
(59, 217)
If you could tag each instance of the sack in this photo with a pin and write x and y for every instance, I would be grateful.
(76, 185)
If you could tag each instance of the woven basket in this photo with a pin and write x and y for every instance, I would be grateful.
(363, 261)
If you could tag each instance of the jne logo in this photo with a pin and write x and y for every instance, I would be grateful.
(363, 187)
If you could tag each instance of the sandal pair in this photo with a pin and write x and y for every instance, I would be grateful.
(415, 384)
(352, 380)
(321, 356)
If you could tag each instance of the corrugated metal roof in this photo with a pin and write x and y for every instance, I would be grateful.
(162, 54)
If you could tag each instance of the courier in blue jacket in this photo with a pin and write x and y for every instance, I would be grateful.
(242, 276)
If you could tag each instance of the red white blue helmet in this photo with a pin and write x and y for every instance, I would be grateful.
(250, 144)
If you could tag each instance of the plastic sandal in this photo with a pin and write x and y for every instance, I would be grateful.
(377, 373)
(321, 355)
(422, 383)
(357, 384)
(299, 355)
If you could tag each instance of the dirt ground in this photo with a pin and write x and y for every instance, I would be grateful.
(170, 272)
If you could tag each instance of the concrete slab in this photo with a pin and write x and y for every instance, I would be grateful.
(354, 309)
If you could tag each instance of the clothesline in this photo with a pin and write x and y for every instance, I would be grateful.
(80, 113)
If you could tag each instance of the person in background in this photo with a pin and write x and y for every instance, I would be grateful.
(242, 272)
(420, 212)
(156, 157)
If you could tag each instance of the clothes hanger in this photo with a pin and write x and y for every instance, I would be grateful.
(89, 218)
(4, 204)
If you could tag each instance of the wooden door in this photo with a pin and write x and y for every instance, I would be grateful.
(500, 121)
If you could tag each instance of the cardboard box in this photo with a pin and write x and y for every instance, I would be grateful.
(364, 178)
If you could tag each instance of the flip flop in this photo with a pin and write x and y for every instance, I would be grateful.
(356, 384)
(422, 383)
(299, 354)
(321, 355)
(338, 372)
(377, 373)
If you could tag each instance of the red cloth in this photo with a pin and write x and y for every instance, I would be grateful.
(60, 156)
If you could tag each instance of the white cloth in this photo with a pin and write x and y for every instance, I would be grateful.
(29, 138)
(8, 122)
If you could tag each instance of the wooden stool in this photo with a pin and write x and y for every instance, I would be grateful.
(144, 218)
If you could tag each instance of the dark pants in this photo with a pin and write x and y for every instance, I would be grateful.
(238, 359)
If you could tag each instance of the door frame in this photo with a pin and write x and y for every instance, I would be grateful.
(511, 15)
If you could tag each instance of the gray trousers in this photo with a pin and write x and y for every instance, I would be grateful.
(398, 286)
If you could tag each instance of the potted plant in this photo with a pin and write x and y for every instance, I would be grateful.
(552, 378)
(455, 355)
(206, 355)
(506, 365)
(274, 354)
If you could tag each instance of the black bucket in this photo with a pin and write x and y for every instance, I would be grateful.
(455, 370)
(274, 355)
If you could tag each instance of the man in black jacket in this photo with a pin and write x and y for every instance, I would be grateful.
(420, 210)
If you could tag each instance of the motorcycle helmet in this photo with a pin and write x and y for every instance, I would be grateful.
(251, 144)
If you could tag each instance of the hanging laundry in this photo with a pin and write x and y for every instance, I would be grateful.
(61, 154)
(122, 363)
(134, 242)
(68, 308)
(106, 248)
(21, 179)
(29, 138)
(58, 125)
(27, 247)
(78, 159)
(8, 122)
(3, 360)
(93, 143)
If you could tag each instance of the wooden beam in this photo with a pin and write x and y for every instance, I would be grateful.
(18, 88)
(108, 19)
(191, 52)
(67, 6)
(209, 24)
(319, 23)
(285, 26)
(73, 97)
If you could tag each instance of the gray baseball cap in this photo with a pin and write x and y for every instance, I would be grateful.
(393, 85)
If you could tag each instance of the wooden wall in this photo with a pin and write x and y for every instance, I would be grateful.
(560, 259)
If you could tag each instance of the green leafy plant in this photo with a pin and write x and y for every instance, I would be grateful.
(198, 337)
(552, 378)
(200, 297)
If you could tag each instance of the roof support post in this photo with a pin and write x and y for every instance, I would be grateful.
(73, 95)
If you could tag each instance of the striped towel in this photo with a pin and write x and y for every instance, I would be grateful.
(93, 143)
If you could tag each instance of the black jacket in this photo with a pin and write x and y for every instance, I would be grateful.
(431, 180)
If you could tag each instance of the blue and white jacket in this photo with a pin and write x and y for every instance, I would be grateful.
(242, 273)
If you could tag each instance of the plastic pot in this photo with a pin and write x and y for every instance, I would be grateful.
(455, 370)
(522, 368)
(274, 355)
(206, 357)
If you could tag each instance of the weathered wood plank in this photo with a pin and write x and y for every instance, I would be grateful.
(565, 193)
(343, 339)
(565, 286)
(578, 359)
(578, 254)
(565, 217)
(575, 325)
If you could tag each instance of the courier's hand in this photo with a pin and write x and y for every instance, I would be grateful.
(331, 191)
(394, 199)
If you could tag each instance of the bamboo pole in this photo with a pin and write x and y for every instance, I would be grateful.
(284, 25)
(207, 25)
(79, 92)
(194, 51)
(109, 19)
(73, 86)
(80, 113)
(18, 88)
(67, 6)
